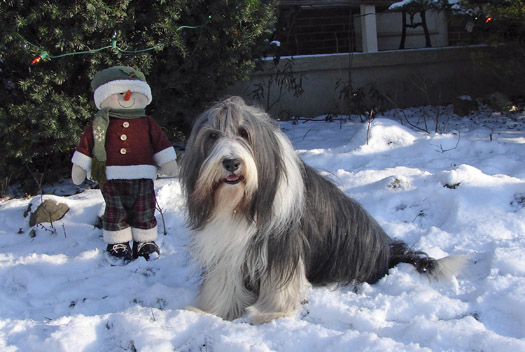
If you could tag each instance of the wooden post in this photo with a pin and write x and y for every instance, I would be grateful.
(369, 28)
(403, 30)
(425, 28)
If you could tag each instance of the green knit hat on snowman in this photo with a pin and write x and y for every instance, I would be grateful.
(118, 79)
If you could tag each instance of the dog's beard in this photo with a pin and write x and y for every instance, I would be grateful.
(232, 189)
(230, 199)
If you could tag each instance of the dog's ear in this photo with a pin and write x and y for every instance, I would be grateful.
(268, 160)
(199, 208)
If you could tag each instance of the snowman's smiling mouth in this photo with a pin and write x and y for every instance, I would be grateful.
(126, 104)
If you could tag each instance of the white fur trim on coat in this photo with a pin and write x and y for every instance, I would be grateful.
(165, 156)
(82, 160)
(119, 236)
(141, 235)
(121, 86)
(131, 172)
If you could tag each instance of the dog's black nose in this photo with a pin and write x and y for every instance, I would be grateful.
(231, 164)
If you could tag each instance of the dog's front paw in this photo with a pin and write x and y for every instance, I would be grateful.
(257, 317)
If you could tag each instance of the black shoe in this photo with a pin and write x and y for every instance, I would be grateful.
(148, 250)
(120, 250)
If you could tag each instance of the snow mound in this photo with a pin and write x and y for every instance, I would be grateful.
(385, 135)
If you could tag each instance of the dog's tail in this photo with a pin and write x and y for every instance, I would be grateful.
(440, 269)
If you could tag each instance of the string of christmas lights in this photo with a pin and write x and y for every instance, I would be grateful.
(46, 55)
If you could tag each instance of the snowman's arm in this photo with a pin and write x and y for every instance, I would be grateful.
(82, 157)
(165, 155)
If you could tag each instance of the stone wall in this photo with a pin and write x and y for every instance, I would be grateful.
(405, 77)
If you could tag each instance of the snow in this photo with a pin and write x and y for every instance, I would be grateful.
(400, 4)
(457, 191)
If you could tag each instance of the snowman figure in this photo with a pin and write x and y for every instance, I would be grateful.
(121, 151)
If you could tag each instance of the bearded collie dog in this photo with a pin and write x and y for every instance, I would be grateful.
(266, 226)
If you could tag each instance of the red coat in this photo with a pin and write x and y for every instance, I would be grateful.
(133, 146)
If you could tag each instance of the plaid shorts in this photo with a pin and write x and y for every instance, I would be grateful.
(129, 203)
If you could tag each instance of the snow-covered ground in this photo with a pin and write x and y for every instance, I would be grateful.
(460, 191)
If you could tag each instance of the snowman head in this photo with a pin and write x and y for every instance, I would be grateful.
(120, 87)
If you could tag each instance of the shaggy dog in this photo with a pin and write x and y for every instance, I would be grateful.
(266, 226)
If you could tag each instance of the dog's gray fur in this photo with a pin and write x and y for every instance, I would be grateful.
(266, 230)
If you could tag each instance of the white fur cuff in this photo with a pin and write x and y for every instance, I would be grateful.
(82, 160)
(141, 235)
(165, 156)
(119, 236)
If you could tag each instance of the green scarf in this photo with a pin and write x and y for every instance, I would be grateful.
(100, 126)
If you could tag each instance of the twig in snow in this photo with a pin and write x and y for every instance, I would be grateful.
(306, 133)
(447, 150)
(370, 118)
(161, 216)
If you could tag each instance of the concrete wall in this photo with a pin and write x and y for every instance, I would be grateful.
(389, 25)
(406, 77)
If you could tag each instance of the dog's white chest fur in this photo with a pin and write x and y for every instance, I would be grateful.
(221, 249)
(222, 243)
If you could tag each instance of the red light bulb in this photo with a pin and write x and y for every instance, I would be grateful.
(36, 60)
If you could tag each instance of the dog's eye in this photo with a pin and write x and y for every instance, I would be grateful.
(243, 133)
(213, 135)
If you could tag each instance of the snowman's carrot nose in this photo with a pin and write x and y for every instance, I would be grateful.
(127, 96)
